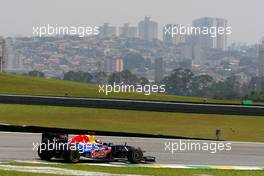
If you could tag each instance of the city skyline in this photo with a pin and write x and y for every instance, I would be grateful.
(79, 12)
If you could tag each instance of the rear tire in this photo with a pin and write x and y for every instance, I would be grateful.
(72, 156)
(135, 155)
(45, 154)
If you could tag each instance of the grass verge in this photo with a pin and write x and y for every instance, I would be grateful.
(13, 84)
(14, 173)
(153, 171)
(235, 128)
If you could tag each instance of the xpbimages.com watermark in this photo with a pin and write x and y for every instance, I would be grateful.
(147, 89)
(174, 30)
(186, 145)
(53, 30)
(54, 145)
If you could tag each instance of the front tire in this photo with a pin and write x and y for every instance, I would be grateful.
(135, 155)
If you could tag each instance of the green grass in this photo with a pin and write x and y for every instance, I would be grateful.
(13, 173)
(13, 84)
(154, 171)
(166, 172)
(237, 128)
(240, 128)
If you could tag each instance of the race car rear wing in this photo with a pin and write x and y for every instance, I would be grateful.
(58, 137)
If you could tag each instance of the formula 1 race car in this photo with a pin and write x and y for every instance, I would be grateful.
(58, 146)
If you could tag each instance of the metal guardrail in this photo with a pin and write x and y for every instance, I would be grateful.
(142, 105)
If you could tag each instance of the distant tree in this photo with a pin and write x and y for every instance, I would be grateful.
(218, 90)
(115, 78)
(255, 89)
(179, 82)
(128, 77)
(231, 88)
(78, 76)
(100, 78)
(201, 85)
(256, 84)
(143, 81)
(256, 96)
(125, 77)
(36, 73)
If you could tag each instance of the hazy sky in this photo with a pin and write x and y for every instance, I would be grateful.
(246, 17)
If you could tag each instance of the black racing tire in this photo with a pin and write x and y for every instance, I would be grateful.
(45, 154)
(72, 156)
(135, 155)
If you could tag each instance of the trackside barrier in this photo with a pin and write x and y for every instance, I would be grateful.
(141, 105)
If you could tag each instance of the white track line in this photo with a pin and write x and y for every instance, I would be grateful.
(172, 166)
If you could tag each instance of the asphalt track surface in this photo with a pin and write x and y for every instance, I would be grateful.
(19, 146)
(144, 105)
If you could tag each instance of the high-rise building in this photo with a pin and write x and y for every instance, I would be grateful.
(207, 40)
(167, 37)
(128, 31)
(260, 71)
(172, 39)
(147, 29)
(2, 48)
(107, 31)
(261, 60)
(119, 65)
(113, 65)
(158, 69)
(13, 60)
